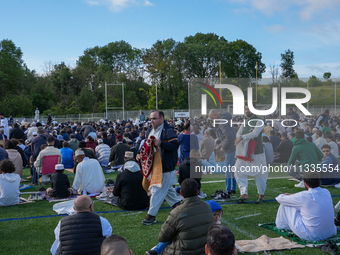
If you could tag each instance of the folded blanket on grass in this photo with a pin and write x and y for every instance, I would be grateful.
(290, 234)
(264, 243)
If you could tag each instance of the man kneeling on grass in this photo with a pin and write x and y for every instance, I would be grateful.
(309, 214)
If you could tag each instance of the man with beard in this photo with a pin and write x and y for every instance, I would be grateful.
(251, 130)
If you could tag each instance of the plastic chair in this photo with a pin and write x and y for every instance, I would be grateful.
(48, 166)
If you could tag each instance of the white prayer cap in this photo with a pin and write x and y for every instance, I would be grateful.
(79, 153)
(59, 167)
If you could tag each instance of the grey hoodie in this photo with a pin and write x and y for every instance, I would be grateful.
(9, 189)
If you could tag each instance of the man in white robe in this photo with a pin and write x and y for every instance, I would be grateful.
(89, 175)
(254, 168)
(309, 214)
(36, 117)
(4, 125)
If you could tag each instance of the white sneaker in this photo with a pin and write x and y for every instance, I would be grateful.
(337, 185)
(300, 185)
(202, 195)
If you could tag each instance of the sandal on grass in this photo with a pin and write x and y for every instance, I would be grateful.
(260, 201)
(240, 200)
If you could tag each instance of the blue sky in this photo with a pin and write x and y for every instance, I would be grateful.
(55, 31)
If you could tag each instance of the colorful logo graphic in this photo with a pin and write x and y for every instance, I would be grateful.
(209, 93)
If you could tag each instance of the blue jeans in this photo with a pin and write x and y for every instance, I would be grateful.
(160, 247)
(230, 181)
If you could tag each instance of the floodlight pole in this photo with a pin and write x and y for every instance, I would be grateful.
(188, 98)
(106, 84)
(156, 98)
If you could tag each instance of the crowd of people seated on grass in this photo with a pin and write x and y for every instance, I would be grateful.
(147, 152)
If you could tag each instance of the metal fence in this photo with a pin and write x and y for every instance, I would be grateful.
(168, 113)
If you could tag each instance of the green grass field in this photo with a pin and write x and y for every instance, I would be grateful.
(36, 235)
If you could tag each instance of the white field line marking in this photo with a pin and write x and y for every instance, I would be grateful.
(131, 213)
(231, 225)
(247, 216)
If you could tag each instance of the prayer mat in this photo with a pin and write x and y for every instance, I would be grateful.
(24, 201)
(155, 178)
(290, 234)
(264, 243)
(146, 157)
(25, 186)
(110, 202)
(69, 169)
(51, 199)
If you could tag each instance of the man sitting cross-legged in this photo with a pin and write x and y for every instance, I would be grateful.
(81, 233)
(309, 214)
(89, 176)
(128, 190)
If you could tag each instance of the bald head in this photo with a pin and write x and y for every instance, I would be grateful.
(83, 203)
(214, 114)
(115, 245)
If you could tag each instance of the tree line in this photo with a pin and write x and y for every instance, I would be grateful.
(168, 65)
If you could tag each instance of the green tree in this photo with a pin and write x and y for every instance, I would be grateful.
(202, 54)
(242, 61)
(327, 75)
(287, 62)
(314, 82)
(62, 79)
(11, 67)
(164, 66)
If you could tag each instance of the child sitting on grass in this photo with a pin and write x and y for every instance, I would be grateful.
(217, 212)
(60, 184)
(9, 184)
